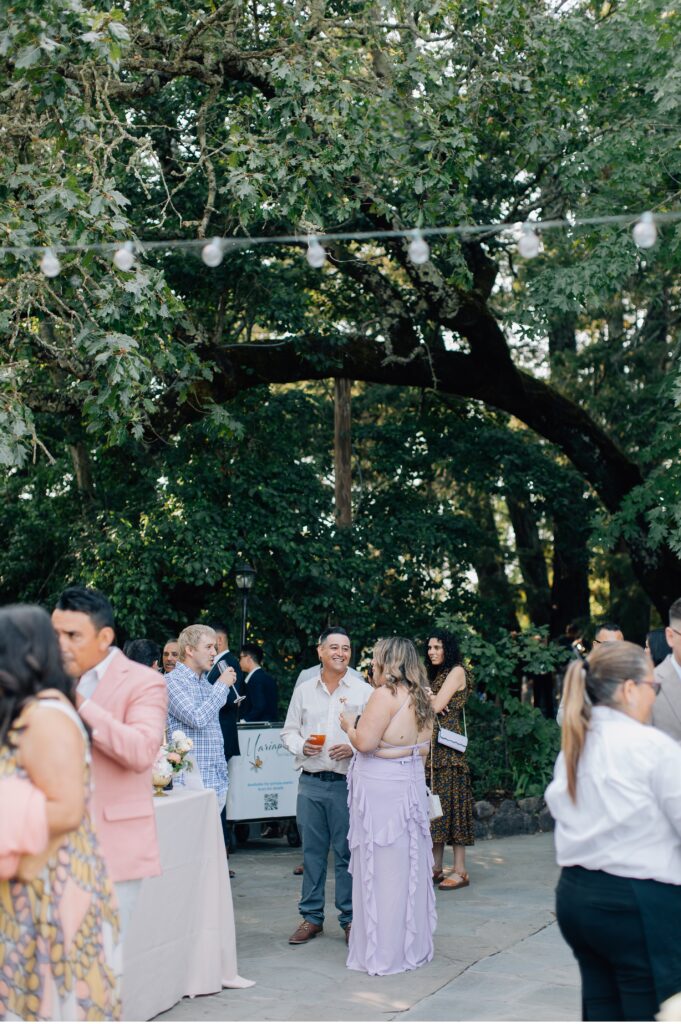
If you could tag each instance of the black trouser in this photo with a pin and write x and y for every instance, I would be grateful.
(599, 916)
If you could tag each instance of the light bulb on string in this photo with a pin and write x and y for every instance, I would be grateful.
(645, 231)
(211, 254)
(528, 245)
(315, 255)
(124, 257)
(419, 250)
(49, 264)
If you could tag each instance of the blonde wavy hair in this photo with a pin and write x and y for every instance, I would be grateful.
(595, 681)
(190, 636)
(397, 661)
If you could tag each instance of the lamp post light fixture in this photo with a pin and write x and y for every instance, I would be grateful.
(244, 575)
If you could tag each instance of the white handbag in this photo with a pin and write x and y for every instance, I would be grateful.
(434, 802)
(455, 740)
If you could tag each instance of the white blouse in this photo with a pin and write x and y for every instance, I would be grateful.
(627, 816)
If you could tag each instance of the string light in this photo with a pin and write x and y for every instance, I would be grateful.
(49, 264)
(419, 250)
(315, 255)
(645, 231)
(124, 258)
(212, 253)
(528, 245)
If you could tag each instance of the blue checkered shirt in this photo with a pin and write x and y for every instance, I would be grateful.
(194, 706)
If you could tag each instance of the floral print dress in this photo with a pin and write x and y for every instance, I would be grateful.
(59, 934)
(450, 773)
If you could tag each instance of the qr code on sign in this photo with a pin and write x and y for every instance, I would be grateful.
(271, 801)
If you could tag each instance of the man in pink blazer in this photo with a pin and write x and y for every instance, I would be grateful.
(124, 704)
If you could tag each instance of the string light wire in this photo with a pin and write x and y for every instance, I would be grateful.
(645, 225)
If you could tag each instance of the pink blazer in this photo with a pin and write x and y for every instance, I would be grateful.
(127, 716)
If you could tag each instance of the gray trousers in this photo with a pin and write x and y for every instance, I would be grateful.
(323, 819)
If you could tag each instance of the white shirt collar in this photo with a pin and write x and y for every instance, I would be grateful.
(90, 680)
(344, 680)
(252, 672)
(677, 667)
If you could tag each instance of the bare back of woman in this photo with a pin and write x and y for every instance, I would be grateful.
(402, 735)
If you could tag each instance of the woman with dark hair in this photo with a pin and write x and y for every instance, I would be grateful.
(447, 770)
(58, 916)
(657, 646)
(616, 801)
(393, 903)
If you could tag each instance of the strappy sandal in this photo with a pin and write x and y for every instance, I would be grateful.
(438, 876)
(449, 884)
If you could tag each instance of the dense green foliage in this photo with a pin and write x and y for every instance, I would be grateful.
(515, 432)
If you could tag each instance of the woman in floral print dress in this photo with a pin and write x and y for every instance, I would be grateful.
(59, 948)
(451, 688)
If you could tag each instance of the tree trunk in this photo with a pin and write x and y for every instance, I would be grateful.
(82, 467)
(629, 607)
(494, 590)
(531, 559)
(570, 587)
(343, 451)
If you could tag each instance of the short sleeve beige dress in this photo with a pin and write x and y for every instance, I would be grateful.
(450, 773)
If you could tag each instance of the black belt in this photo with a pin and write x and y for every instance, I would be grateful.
(327, 776)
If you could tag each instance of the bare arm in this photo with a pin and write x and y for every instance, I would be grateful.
(455, 681)
(51, 749)
(373, 723)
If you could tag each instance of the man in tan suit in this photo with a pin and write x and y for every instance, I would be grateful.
(667, 706)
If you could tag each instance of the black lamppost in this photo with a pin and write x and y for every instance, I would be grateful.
(244, 575)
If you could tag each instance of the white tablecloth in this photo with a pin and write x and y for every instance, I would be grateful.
(180, 940)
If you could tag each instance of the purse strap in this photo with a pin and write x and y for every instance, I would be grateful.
(431, 766)
(465, 730)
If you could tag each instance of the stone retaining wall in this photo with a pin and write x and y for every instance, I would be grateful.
(511, 818)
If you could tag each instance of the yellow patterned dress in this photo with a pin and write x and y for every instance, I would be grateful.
(59, 934)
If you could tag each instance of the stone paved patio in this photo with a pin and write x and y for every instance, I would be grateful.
(498, 952)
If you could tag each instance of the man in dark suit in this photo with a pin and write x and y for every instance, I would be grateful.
(262, 705)
(231, 711)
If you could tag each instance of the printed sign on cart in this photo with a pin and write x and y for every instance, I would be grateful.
(263, 782)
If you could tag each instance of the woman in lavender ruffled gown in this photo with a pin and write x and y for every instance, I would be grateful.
(391, 858)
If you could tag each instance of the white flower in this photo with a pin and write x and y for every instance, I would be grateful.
(181, 742)
(161, 771)
(670, 1009)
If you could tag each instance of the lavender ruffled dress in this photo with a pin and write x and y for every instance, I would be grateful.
(391, 863)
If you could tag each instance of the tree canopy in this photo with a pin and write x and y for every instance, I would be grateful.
(161, 120)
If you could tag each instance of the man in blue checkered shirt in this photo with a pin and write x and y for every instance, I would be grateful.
(194, 705)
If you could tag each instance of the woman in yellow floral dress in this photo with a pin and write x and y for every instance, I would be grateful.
(59, 934)
(451, 688)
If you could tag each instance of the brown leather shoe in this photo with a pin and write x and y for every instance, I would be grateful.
(298, 869)
(347, 933)
(304, 932)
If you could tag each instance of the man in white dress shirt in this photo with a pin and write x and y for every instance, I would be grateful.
(667, 707)
(322, 810)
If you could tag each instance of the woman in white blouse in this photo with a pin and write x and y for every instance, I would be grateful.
(616, 800)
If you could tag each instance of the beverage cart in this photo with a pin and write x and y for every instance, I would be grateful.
(263, 782)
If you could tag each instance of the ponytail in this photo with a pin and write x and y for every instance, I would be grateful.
(576, 718)
(592, 682)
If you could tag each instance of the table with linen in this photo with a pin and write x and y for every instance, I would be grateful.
(181, 939)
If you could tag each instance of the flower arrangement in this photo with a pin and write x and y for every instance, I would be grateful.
(176, 751)
(170, 760)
